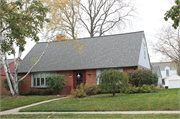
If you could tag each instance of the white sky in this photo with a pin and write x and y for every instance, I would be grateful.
(150, 19)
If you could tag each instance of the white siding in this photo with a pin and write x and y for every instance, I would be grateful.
(171, 72)
(159, 81)
(144, 56)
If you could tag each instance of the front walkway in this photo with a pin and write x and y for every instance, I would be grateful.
(16, 111)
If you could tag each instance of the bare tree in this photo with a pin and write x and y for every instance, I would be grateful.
(101, 16)
(168, 44)
(64, 17)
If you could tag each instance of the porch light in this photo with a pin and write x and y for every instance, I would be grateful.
(78, 76)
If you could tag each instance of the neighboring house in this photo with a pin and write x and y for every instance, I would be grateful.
(167, 69)
(3, 75)
(124, 52)
(172, 81)
(156, 69)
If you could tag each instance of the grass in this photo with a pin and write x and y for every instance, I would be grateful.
(167, 99)
(10, 103)
(119, 116)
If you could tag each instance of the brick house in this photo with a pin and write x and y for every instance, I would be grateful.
(3, 75)
(124, 52)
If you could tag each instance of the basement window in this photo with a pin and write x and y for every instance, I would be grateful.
(39, 79)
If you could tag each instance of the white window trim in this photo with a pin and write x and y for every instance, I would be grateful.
(32, 79)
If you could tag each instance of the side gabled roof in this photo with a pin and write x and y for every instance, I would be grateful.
(121, 50)
(9, 62)
(156, 69)
(162, 65)
(11, 66)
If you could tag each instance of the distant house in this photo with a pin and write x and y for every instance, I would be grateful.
(156, 69)
(124, 52)
(173, 81)
(3, 75)
(167, 69)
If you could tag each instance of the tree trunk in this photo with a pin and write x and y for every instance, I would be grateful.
(113, 93)
(36, 62)
(16, 89)
(57, 92)
(8, 79)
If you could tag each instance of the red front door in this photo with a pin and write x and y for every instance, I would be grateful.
(78, 78)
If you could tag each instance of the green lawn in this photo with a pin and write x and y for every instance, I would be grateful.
(10, 103)
(167, 99)
(119, 116)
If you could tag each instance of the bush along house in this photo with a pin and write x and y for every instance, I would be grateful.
(124, 52)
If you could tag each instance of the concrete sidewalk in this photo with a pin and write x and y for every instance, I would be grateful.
(16, 111)
(104, 112)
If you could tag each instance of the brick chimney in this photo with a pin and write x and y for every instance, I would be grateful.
(60, 38)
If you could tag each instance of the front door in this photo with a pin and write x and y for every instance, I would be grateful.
(78, 78)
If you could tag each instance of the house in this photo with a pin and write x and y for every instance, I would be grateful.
(173, 81)
(167, 69)
(3, 75)
(156, 69)
(124, 52)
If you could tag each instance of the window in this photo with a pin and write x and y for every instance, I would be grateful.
(39, 79)
(163, 81)
(167, 72)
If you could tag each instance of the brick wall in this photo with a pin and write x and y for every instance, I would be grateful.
(3, 90)
(90, 79)
(139, 68)
(91, 76)
(27, 83)
(127, 69)
(69, 82)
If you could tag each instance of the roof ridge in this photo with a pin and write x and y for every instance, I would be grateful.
(114, 34)
(97, 36)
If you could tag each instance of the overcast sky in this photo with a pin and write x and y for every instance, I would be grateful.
(150, 19)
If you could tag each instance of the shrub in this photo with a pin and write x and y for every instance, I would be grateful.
(139, 77)
(90, 89)
(155, 79)
(146, 89)
(112, 80)
(154, 88)
(56, 82)
(135, 89)
(6, 86)
(37, 92)
(130, 89)
(78, 93)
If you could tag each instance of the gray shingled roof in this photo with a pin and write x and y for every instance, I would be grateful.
(156, 69)
(111, 51)
(9, 62)
(162, 65)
